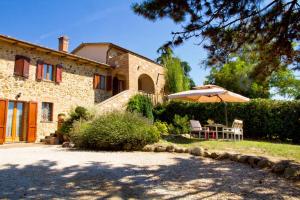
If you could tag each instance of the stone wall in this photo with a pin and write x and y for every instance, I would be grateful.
(76, 87)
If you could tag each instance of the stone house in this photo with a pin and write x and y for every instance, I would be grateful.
(38, 83)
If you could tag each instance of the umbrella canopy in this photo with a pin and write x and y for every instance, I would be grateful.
(209, 94)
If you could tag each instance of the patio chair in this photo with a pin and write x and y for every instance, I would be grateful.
(197, 128)
(235, 130)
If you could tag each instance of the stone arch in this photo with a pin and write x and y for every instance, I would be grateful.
(146, 84)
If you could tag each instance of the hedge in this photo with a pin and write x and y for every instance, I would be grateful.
(263, 119)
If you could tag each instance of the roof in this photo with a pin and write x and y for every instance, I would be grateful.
(51, 51)
(115, 46)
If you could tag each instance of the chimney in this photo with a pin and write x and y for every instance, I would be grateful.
(63, 43)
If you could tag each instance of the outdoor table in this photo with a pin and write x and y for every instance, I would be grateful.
(218, 128)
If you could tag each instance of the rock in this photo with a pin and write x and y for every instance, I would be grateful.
(253, 160)
(243, 159)
(279, 168)
(179, 150)
(148, 148)
(214, 155)
(206, 154)
(264, 163)
(170, 148)
(66, 145)
(159, 149)
(223, 156)
(197, 151)
(127, 147)
(292, 172)
(187, 150)
(235, 157)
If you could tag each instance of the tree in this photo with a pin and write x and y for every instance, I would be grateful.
(176, 79)
(226, 26)
(186, 69)
(234, 76)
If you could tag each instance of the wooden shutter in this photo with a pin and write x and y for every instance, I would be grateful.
(108, 83)
(96, 81)
(26, 67)
(19, 65)
(32, 121)
(58, 77)
(3, 118)
(39, 70)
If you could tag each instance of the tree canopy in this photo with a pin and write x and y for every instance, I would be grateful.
(177, 72)
(227, 25)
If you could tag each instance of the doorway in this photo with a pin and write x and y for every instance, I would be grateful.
(15, 122)
(118, 85)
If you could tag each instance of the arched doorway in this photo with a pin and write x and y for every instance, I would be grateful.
(146, 84)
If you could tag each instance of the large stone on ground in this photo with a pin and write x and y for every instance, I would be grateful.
(160, 149)
(264, 163)
(292, 172)
(179, 150)
(148, 148)
(206, 154)
(170, 148)
(214, 155)
(243, 159)
(223, 156)
(279, 168)
(235, 157)
(197, 151)
(187, 150)
(253, 160)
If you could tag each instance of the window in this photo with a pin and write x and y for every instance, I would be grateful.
(99, 82)
(47, 111)
(48, 72)
(21, 66)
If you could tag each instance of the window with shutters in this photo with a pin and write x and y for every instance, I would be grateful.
(48, 71)
(21, 66)
(99, 82)
(47, 112)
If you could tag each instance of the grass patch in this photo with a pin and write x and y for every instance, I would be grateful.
(261, 148)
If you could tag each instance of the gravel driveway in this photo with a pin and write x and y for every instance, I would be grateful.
(52, 172)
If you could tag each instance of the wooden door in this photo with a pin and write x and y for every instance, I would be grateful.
(32, 121)
(3, 118)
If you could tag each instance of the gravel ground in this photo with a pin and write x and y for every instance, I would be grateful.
(43, 172)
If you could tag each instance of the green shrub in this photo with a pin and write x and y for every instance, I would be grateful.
(180, 125)
(162, 127)
(115, 131)
(75, 115)
(141, 104)
(263, 119)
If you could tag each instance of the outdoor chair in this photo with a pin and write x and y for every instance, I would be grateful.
(236, 131)
(198, 129)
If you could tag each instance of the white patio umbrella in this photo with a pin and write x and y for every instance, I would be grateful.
(209, 94)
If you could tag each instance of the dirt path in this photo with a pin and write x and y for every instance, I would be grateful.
(52, 172)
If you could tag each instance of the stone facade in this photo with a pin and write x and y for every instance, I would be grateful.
(76, 88)
(134, 72)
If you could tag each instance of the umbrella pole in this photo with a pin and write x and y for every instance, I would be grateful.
(226, 119)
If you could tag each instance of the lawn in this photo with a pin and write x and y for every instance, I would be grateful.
(268, 149)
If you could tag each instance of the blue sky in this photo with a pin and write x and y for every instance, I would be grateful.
(42, 21)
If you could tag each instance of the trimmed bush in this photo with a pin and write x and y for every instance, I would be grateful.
(115, 131)
(180, 125)
(162, 127)
(75, 115)
(141, 104)
(263, 118)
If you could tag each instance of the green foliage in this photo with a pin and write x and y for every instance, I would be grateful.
(75, 115)
(162, 127)
(180, 125)
(114, 131)
(285, 84)
(273, 26)
(234, 76)
(141, 104)
(263, 118)
(177, 78)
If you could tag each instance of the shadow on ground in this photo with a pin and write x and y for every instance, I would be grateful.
(188, 178)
